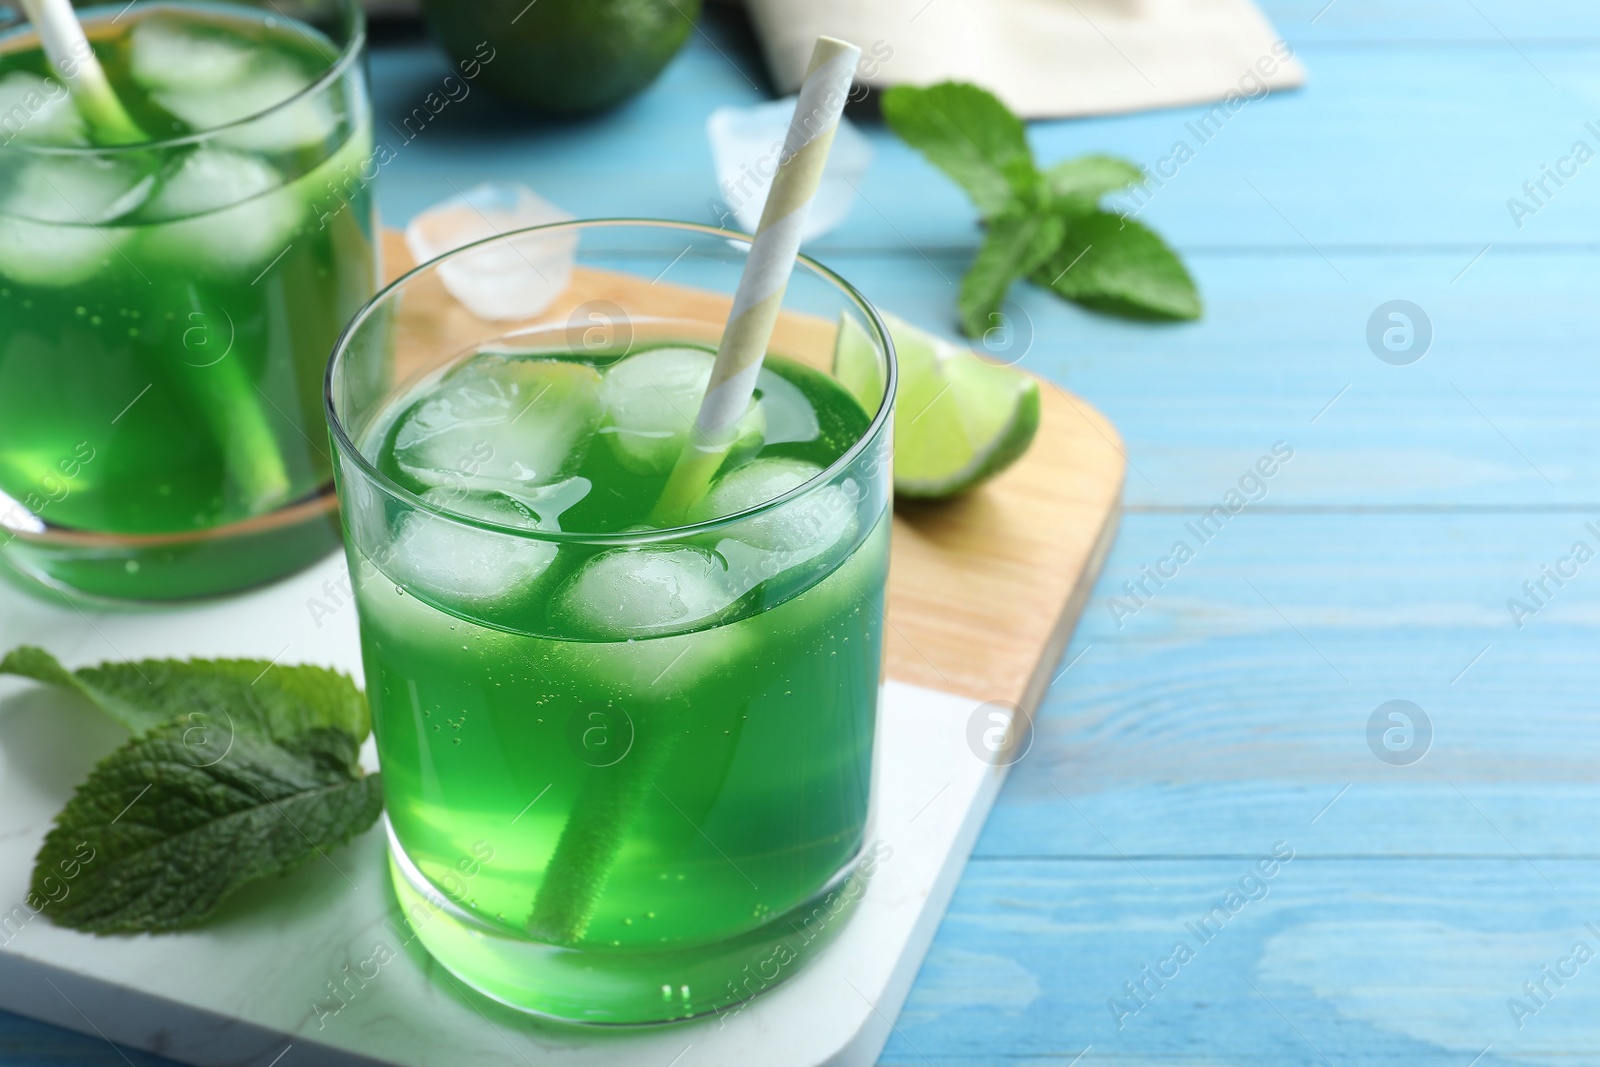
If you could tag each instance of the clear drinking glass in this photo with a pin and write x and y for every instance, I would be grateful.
(167, 307)
(627, 770)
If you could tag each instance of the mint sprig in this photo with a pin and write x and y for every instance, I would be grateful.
(238, 769)
(1048, 225)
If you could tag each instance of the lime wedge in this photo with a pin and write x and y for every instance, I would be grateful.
(959, 419)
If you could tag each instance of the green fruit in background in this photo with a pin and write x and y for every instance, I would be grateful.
(565, 57)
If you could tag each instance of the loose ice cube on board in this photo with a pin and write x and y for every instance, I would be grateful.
(746, 146)
(37, 110)
(241, 219)
(502, 423)
(510, 278)
(643, 592)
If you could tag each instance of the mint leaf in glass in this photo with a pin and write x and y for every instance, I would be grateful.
(1016, 244)
(969, 134)
(171, 824)
(1114, 264)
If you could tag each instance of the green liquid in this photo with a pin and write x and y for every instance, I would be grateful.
(660, 811)
(162, 349)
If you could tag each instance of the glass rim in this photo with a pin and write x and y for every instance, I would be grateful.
(346, 447)
(349, 55)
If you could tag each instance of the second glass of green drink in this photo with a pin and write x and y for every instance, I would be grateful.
(167, 306)
(627, 768)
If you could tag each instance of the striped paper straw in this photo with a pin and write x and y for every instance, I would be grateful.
(759, 296)
(74, 62)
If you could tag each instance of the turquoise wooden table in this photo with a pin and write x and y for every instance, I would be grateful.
(1434, 887)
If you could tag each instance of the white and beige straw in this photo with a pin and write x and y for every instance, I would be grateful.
(67, 48)
(759, 297)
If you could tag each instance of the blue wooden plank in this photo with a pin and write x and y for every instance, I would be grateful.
(1335, 962)
(1283, 355)
(1194, 714)
(1385, 22)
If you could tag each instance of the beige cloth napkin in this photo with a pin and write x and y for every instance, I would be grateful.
(1044, 58)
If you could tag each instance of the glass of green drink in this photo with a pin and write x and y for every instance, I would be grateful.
(627, 768)
(167, 306)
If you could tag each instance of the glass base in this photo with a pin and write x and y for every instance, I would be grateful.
(622, 987)
(59, 563)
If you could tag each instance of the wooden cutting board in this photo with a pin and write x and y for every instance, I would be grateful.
(983, 594)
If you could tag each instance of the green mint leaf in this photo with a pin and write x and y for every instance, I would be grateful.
(1016, 244)
(274, 702)
(969, 134)
(1120, 266)
(172, 823)
(1080, 183)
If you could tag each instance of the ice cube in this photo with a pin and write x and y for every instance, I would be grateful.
(746, 145)
(38, 110)
(651, 399)
(793, 533)
(265, 86)
(87, 191)
(37, 253)
(628, 593)
(166, 53)
(460, 563)
(504, 423)
(241, 219)
(54, 211)
(512, 278)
